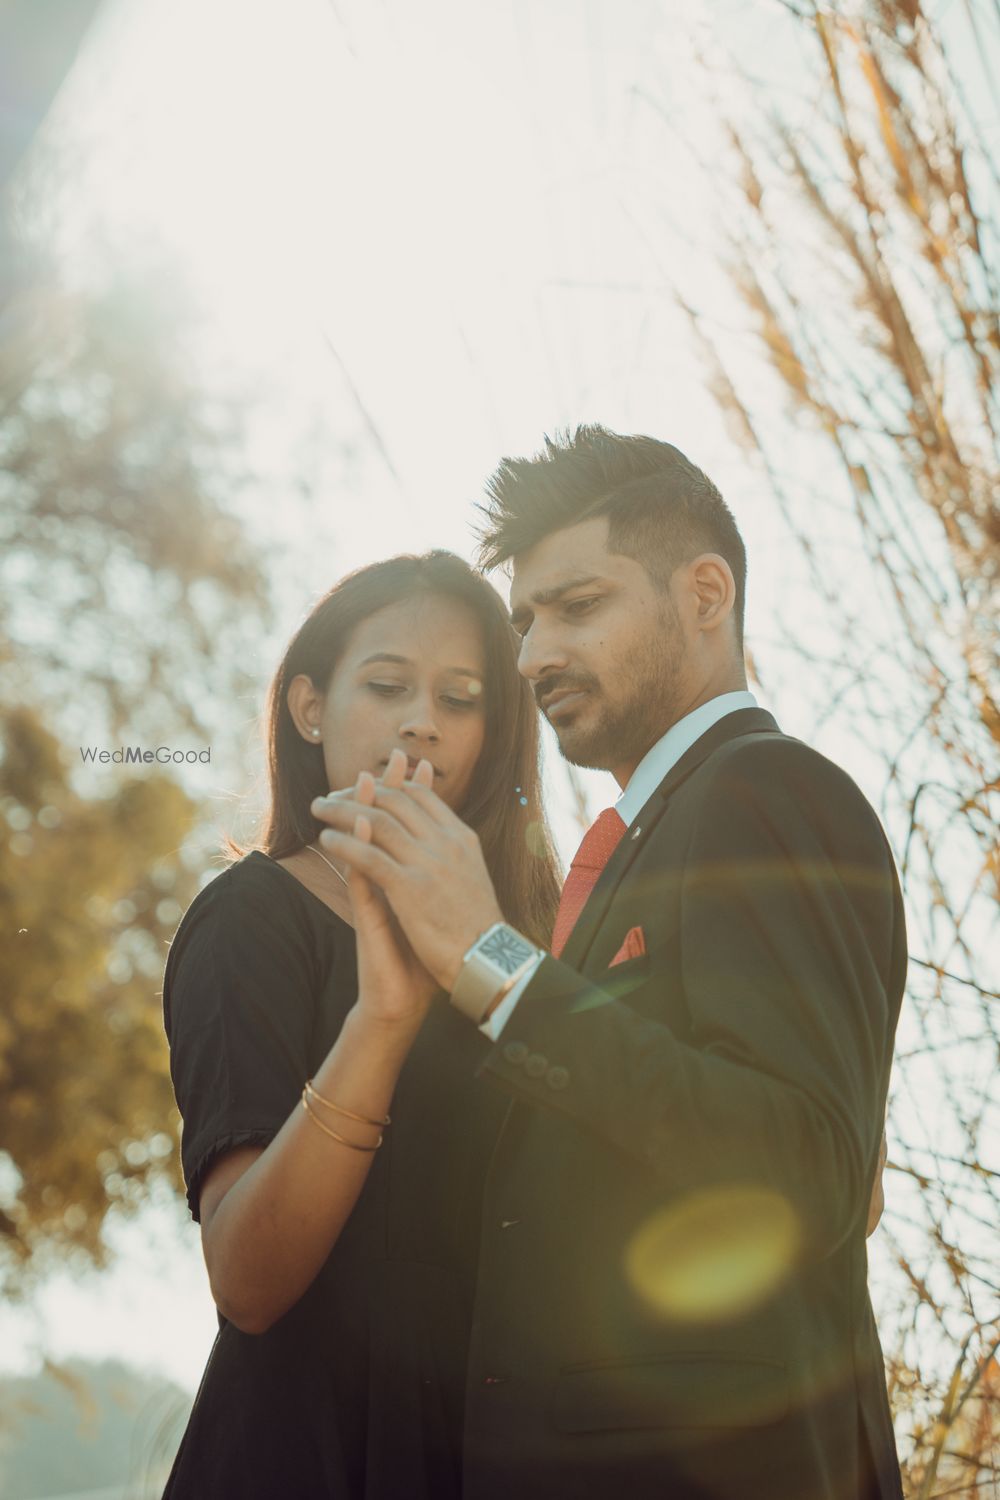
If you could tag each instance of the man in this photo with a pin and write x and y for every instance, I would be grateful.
(672, 1293)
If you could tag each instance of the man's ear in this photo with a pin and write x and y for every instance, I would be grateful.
(714, 589)
(305, 705)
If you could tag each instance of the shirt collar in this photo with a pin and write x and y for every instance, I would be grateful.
(665, 754)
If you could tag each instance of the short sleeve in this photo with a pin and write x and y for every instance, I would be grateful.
(239, 1001)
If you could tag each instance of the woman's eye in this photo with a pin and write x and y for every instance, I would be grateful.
(460, 702)
(387, 689)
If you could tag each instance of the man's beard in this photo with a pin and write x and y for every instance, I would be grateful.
(624, 731)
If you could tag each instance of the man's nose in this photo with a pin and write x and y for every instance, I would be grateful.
(540, 655)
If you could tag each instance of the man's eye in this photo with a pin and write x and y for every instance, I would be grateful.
(581, 606)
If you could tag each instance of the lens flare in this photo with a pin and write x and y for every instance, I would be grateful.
(714, 1254)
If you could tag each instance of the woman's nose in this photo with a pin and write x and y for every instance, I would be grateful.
(419, 722)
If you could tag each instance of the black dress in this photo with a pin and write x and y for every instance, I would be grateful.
(358, 1390)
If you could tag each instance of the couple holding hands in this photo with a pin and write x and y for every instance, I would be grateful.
(514, 1192)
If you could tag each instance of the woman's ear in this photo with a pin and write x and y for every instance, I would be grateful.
(305, 705)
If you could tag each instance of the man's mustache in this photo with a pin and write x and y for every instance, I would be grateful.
(563, 682)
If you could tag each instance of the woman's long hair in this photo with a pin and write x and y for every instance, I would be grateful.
(503, 803)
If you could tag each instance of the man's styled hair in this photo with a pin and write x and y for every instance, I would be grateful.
(662, 510)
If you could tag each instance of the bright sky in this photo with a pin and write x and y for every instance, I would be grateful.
(432, 232)
(445, 229)
(463, 201)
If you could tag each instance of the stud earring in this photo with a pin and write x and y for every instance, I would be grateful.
(315, 734)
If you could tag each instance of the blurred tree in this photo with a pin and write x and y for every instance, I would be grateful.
(134, 594)
(106, 1428)
(860, 229)
(132, 605)
(90, 892)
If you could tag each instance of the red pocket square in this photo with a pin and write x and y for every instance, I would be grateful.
(634, 946)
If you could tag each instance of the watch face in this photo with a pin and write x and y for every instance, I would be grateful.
(506, 948)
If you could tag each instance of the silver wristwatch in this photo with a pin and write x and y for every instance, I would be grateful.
(492, 966)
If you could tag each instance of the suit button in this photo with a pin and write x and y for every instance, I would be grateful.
(535, 1065)
(557, 1078)
(515, 1052)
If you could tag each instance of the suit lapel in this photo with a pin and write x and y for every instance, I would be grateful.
(733, 726)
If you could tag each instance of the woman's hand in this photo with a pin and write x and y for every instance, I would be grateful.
(427, 863)
(394, 988)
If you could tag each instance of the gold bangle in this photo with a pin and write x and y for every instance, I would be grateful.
(361, 1119)
(333, 1134)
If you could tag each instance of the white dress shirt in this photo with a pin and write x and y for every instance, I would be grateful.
(651, 770)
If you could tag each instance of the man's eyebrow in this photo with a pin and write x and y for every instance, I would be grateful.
(553, 595)
(405, 661)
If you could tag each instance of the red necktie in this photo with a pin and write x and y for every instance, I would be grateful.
(599, 843)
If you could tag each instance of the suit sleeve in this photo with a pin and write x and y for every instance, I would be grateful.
(790, 965)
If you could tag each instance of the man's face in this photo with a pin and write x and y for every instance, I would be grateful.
(602, 646)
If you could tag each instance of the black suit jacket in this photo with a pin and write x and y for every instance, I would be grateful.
(733, 1082)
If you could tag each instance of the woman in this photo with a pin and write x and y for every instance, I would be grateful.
(341, 1248)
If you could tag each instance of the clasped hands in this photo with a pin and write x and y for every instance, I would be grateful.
(425, 861)
(429, 867)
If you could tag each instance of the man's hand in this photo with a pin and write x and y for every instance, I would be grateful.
(424, 859)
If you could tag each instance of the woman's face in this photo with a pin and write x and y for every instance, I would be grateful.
(411, 679)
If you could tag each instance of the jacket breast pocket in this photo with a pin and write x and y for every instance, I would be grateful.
(682, 1390)
(621, 980)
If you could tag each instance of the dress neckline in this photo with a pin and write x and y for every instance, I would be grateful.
(318, 900)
